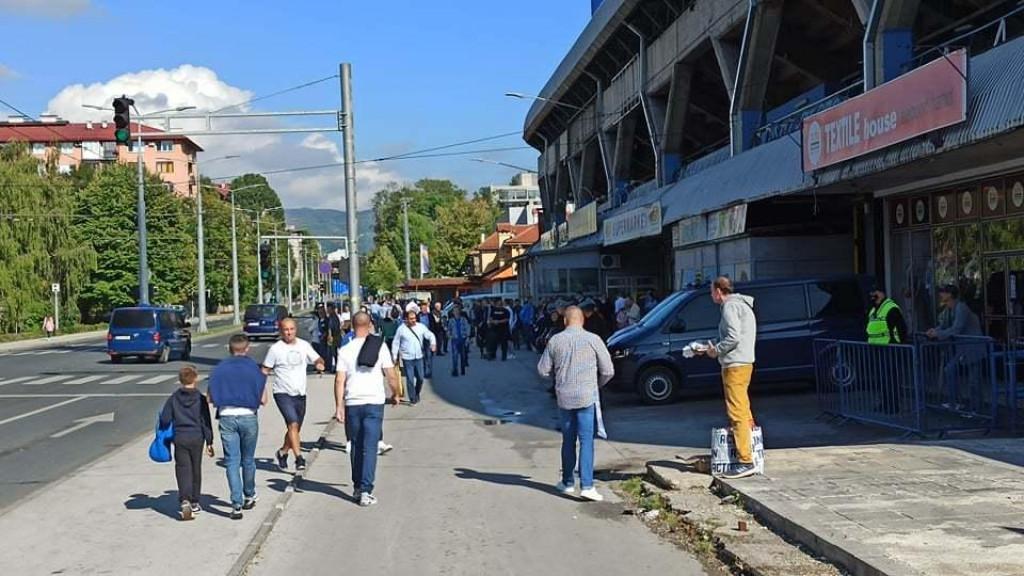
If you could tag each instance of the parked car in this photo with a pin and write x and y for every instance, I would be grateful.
(791, 314)
(264, 320)
(151, 332)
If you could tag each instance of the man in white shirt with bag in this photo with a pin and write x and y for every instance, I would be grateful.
(360, 395)
(409, 344)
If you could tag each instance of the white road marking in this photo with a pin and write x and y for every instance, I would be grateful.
(83, 422)
(63, 351)
(47, 380)
(44, 352)
(157, 379)
(211, 346)
(85, 379)
(41, 410)
(97, 395)
(13, 380)
(120, 379)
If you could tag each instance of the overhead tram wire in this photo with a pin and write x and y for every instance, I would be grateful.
(278, 93)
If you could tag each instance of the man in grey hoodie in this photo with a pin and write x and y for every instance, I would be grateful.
(735, 352)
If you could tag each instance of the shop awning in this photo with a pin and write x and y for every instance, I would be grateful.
(768, 170)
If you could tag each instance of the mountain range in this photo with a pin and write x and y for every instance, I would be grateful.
(327, 222)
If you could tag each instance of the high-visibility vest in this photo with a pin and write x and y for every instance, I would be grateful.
(878, 327)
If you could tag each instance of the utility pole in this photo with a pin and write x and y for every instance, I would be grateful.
(236, 319)
(202, 251)
(277, 272)
(408, 261)
(351, 206)
(288, 255)
(140, 219)
(259, 262)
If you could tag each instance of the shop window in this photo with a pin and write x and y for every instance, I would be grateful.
(830, 299)
(968, 264)
(583, 280)
(944, 255)
(995, 287)
(1004, 235)
(779, 303)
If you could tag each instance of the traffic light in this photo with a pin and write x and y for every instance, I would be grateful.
(265, 260)
(123, 119)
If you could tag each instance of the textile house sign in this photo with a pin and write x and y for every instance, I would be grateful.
(931, 97)
(636, 223)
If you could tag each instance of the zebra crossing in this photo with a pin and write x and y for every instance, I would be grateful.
(109, 379)
(102, 348)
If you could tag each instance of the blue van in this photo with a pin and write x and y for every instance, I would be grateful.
(791, 314)
(152, 332)
(264, 320)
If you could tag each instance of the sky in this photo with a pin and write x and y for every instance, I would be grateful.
(425, 74)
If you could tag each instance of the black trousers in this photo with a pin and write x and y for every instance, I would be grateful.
(188, 468)
(497, 336)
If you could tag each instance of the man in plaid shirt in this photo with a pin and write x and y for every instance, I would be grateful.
(581, 365)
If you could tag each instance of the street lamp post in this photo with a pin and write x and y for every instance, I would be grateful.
(522, 96)
(505, 164)
(140, 217)
(236, 319)
(201, 241)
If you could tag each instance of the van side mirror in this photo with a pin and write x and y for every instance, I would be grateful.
(678, 326)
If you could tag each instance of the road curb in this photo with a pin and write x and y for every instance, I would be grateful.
(818, 544)
(244, 560)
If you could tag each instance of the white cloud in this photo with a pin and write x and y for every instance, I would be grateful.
(7, 73)
(46, 8)
(189, 85)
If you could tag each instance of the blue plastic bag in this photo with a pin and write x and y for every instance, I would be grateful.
(160, 447)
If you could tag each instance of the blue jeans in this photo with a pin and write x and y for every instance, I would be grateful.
(413, 378)
(459, 353)
(428, 362)
(578, 424)
(238, 434)
(363, 425)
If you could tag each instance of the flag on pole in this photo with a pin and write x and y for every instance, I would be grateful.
(424, 260)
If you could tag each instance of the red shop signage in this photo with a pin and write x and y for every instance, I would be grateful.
(931, 97)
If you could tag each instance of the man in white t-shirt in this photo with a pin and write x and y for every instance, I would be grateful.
(286, 361)
(360, 395)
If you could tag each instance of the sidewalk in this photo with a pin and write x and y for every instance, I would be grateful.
(97, 335)
(126, 502)
(954, 508)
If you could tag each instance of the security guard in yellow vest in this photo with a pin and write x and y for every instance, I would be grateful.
(885, 320)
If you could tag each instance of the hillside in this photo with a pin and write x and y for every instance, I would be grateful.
(326, 222)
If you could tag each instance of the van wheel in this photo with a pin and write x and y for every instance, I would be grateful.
(658, 385)
(165, 355)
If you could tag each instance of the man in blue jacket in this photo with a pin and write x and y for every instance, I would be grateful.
(238, 388)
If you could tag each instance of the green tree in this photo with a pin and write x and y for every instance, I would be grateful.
(459, 229)
(39, 244)
(107, 209)
(382, 273)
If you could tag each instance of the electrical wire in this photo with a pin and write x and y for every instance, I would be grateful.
(278, 93)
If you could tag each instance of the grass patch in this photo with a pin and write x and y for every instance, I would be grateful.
(633, 487)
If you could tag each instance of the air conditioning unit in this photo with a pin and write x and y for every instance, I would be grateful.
(611, 261)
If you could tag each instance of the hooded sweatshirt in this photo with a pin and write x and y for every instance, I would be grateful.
(190, 413)
(737, 331)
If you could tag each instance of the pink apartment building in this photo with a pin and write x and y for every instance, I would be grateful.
(75, 143)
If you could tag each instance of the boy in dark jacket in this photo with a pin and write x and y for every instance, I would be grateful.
(188, 410)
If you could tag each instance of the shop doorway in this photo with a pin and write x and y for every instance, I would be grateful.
(1004, 296)
(913, 278)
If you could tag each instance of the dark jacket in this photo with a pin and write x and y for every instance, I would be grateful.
(190, 413)
(237, 381)
(595, 324)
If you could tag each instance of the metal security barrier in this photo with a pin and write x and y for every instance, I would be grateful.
(869, 383)
(1010, 378)
(921, 388)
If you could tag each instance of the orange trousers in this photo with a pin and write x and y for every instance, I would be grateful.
(736, 381)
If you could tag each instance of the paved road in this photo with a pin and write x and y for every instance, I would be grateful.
(45, 393)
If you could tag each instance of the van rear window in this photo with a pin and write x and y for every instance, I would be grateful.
(132, 319)
(261, 312)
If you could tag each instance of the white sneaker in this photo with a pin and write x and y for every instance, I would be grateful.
(383, 448)
(592, 494)
(367, 499)
(565, 489)
(348, 447)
